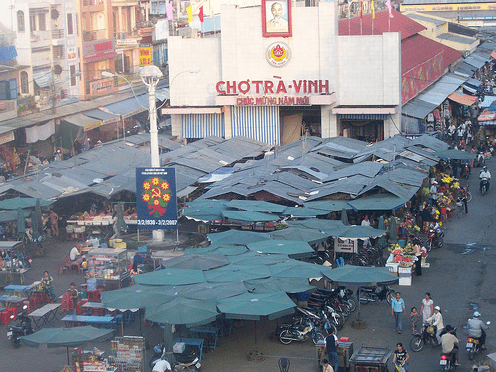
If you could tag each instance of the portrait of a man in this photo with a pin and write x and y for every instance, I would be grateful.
(276, 18)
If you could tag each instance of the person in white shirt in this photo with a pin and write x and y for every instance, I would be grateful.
(74, 254)
(161, 365)
(326, 367)
(437, 320)
(484, 175)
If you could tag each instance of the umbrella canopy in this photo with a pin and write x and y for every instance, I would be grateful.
(361, 275)
(292, 248)
(359, 232)
(170, 276)
(196, 261)
(15, 203)
(39, 219)
(382, 240)
(303, 212)
(293, 233)
(253, 306)
(393, 233)
(180, 310)
(327, 205)
(256, 206)
(132, 297)
(205, 211)
(249, 216)
(213, 291)
(237, 237)
(298, 269)
(377, 203)
(317, 224)
(66, 337)
(235, 273)
(219, 248)
(273, 284)
(455, 154)
(21, 224)
(344, 217)
(256, 258)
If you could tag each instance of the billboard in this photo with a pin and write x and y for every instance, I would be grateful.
(145, 54)
(156, 198)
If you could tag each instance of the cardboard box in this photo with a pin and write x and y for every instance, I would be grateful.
(179, 347)
(393, 266)
(121, 245)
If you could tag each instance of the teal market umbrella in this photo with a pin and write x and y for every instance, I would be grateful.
(273, 284)
(181, 310)
(310, 236)
(303, 212)
(327, 205)
(21, 223)
(39, 218)
(393, 233)
(235, 273)
(237, 237)
(382, 240)
(170, 276)
(344, 217)
(249, 216)
(219, 248)
(213, 291)
(298, 269)
(132, 297)
(66, 337)
(255, 258)
(294, 249)
(455, 154)
(317, 224)
(360, 232)
(196, 261)
(205, 211)
(256, 206)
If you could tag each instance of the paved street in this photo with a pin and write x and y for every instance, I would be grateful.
(460, 274)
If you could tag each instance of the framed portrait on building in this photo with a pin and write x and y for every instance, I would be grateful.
(276, 18)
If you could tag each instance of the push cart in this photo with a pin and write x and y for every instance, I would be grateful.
(370, 359)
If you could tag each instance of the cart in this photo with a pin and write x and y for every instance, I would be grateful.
(370, 359)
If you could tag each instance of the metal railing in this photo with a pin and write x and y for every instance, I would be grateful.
(57, 34)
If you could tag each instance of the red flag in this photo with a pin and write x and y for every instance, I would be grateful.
(361, 9)
(200, 14)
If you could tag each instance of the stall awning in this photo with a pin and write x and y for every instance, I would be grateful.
(486, 116)
(417, 108)
(463, 99)
(83, 121)
(105, 117)
(364, 110)
(129, 107)
(44, 79)
(476, 62)
(493, 54)
(490, 123)
(101, 57)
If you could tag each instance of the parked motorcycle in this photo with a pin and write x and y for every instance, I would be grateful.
(301, 333)
(376, 293)
(435, 237)
(22, 328)
(473, 346)
(447, 362)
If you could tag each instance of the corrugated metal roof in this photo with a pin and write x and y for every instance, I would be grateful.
(474, 62)
(418, 17)
(130, 106)
(367, 169)
(81, 120)
(384, 182)
(418, 108)
(430, 142)
(457, 38)
(351, 186)
(100, 115)
(442, 89)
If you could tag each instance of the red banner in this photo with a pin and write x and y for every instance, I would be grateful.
(420, 77)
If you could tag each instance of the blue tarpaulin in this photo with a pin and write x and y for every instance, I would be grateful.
(7, 53)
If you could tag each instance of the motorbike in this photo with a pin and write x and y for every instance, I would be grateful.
(465, 170)
(484, 186)
(473, 346)
(447, 362)
(427, 337)
(22, 328)
(301, 333)
(435, 237)
(376, 293)
(480, 161)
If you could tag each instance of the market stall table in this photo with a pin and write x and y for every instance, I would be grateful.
(8, 277)
(45, 314)
(210, 330)
(95, 307)
(8, 301)
(19, 290)
(72, 320)
(192, 342)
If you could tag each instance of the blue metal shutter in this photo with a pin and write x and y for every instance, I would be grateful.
(203, 125)
(256, 122)
(13, 88)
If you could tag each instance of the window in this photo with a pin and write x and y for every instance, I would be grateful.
(58, 51)
(4, 90)
(41, 21)
(20, 21)
(70, 26)
(24, 83)
(32, 22)
(72, 70)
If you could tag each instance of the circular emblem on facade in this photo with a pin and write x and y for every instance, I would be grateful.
(278, 54)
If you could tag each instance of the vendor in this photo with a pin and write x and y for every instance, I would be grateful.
(74, 254)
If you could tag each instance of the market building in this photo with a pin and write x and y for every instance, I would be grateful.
(275, 84)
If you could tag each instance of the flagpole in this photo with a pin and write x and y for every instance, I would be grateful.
(349, 19)
(361, 17)
(373, 16)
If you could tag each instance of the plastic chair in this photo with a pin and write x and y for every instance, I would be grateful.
(284, 364)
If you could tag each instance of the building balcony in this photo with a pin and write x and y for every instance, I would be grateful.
(93, 6)
(131, 38)
(57, 34)
(94, 35)
(8, 109)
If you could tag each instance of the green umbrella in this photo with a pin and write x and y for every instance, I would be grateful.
(344, 217)
(393, 233)
(205, 211)
(294, 249)
(21, 224)
(273, 284)
(66, 337)
(249, 216)
(328, 205)
(359, 232)
(180, 310)
(237, 237)
(252, 306)
(298, 269)
(219, 248)
(132, 297)
(256, 206)
(310, 236)
(235, 272)
(213, 291)
(361, 275)
(34, 226)
(256, 258)
(303, 212)
(317, 224)
(455, 154)
(170, 276)
(24, 203)
(196, 261)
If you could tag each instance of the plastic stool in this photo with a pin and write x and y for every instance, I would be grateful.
(4, 317)
(33, 302)
(28, 304)
(12, 311)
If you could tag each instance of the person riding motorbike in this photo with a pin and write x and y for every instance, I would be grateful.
(476, 329)
(484, 175)
(437, 321)
(448, 344)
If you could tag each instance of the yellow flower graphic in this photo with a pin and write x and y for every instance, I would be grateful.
(164, 185)
(146, 197)
(146, 185)
(156, 202)
(166, 197)
(155, 181)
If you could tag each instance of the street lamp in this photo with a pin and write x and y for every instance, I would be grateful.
(192, 70)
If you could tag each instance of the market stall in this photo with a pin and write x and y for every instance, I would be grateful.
(109, 267)
(370, 359)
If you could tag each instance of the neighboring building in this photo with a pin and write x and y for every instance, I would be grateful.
(450, 34)
(276, 89)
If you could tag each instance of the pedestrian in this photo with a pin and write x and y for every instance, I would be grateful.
(427, 308)
(326, 367)
(54, 222)
(47, 283)
(437, 321)
(74, 296)
(331, 345)
(398, 307)
(417, 247)
(433, 193)
(414, 317)
(400, 358)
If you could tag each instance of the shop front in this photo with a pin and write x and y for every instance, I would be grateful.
(277, 87)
